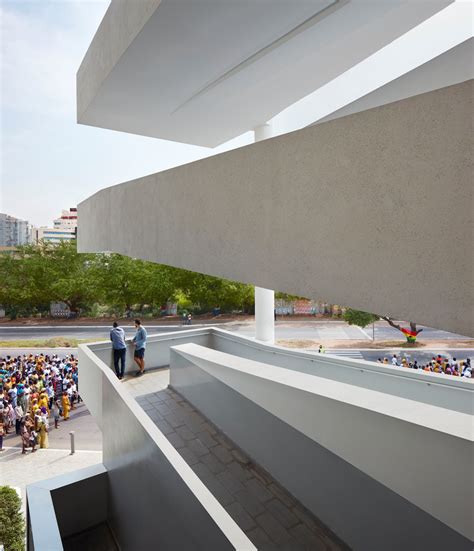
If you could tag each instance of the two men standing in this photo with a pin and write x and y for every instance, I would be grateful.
(117, 336)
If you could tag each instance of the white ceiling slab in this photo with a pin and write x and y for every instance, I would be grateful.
(452, 67)
(203, 72)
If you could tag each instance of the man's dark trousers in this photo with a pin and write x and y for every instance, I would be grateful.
(119, 356)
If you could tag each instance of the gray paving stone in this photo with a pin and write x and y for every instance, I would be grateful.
(261, 475)
(258, 490)
(303, 535)
(188, 407)
(202, 471)
(250, 503)
(193, 426)
(224, 441)
(173, 420)
(185, 433)
(240, 473)
(188, 455)
(179, 413)
(290, 546)
(163, 426)
(197, 447)
(284, 516)
(281, 494)
(162, 408)
(228, 480)
(206, 439)
(213, 464)
(258, 537)
(222, 454)
(175, 440)
(208, 428)
(273, 528)
(240, 515)
(155, 415)
(175, 406)
(196, 417)
(153, 399)
(220, 493)
(240, 457)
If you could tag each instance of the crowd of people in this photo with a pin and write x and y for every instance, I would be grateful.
(34, 390)
(437, 364)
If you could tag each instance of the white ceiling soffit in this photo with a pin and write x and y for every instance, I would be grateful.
(203, 72)
(452, 67)
(437, 53)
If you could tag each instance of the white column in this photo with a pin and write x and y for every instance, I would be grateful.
(264, 298)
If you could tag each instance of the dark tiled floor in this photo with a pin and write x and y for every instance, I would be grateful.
(271, 518)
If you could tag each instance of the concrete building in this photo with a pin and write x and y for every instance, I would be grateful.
(64, 228)
(13, 231)
(254, 446)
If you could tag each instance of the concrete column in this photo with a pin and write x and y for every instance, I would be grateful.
(264, 298)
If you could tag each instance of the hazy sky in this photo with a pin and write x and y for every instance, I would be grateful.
(48, 162)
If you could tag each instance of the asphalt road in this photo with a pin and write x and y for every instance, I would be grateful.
(283, 330)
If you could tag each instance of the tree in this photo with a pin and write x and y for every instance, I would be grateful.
(359, 318)
(410, 334)
(362, 319)
(209, 291)
(12, 524)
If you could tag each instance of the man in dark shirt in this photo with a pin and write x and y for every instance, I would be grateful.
(117, 336)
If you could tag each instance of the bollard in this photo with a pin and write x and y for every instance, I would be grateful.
(73, 450)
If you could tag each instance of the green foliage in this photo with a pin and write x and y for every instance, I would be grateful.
(12, 524)
(286, 296)
(209, 292)
(39, 274)
(358, 317)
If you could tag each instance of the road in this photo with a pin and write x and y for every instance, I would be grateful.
(284, 329)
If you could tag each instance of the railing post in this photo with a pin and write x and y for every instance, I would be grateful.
(73, 448)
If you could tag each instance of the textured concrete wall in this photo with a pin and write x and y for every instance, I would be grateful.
(361, 510)
(372, 210)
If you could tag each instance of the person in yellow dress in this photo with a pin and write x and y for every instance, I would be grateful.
(66, 406)
(43, 401)
(43, 429)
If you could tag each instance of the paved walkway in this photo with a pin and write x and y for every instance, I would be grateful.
(154, 379)
(270, 517)
(20, 470)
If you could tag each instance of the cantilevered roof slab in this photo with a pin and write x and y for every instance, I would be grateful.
(203, 72)
(358, 210)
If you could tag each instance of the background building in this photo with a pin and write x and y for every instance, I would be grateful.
(64, 228)
(13, 231)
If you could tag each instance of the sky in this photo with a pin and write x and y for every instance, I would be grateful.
(48, 162)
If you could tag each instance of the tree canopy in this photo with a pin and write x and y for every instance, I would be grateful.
(12, 524)
(37, 275)
(359, 318)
